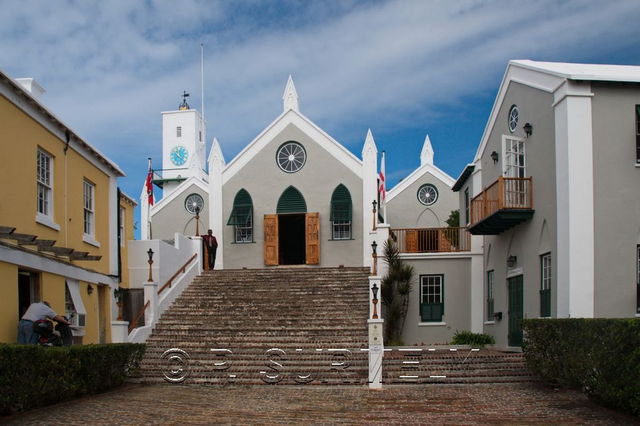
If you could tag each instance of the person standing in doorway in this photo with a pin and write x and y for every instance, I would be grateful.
(211, 245)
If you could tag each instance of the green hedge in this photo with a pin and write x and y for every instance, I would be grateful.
(599, 356)
(32, 376)
(477, 340)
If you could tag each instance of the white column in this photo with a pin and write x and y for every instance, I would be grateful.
(574, 192)
(144, 214)
(369, 193)
(376, 353)
(151, 296)
(216, 221)
(476, 284)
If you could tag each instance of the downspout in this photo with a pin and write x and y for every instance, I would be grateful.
(119, 242)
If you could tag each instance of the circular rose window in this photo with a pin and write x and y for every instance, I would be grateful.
(291, 157)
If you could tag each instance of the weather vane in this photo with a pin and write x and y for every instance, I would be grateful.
(184, 105)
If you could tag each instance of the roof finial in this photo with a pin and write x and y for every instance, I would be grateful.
(184, 105)
(426, 156)
(290, 96)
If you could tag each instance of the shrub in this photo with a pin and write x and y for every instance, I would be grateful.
(32, 376)
(473, 339)
(599, 356)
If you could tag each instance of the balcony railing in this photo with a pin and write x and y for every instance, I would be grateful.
(431, 240)
(503, 204)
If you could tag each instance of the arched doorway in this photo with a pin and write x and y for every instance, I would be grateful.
(291, 227)
(291, 236)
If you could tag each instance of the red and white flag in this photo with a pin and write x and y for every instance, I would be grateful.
(382, 188)
(149, 184)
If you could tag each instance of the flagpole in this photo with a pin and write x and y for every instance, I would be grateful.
(384, 170)
(149, 206)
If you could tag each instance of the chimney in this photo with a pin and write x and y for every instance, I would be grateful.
(31, 86)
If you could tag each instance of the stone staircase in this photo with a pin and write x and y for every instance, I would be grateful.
(444, 365)
(255, 326)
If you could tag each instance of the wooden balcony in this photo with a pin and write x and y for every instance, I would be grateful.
(431, 240)
(502, 205)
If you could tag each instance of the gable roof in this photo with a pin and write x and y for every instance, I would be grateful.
(592, 72)
(549, 77)
(165, 201)
(417, 174)
(296, 118)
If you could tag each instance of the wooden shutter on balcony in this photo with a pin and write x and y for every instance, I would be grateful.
(271, 239)
(312, 224)
(412, 240)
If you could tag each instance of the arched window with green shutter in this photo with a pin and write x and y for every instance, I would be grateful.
(341, 213)
(242, 217)
(291, 201)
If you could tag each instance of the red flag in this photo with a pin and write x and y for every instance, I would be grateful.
(149, 184)
(382, 189)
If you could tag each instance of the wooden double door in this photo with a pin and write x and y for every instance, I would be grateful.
(292, 239)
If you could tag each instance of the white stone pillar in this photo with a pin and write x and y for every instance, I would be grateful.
(369, 193)
(216, 221)
(376, 352)
(119, 331)
(151, 296)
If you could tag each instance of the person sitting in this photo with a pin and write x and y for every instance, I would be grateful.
(36, 311)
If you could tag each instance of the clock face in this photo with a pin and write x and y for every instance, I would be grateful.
(194, 203)
(179, 155)
(427, 194)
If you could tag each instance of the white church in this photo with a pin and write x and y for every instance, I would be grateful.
(296, 196)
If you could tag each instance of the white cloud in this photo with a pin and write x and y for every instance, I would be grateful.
(111, 67)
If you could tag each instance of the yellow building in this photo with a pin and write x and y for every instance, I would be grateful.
(60, 210)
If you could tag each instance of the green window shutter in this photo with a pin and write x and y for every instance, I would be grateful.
(431, 312)
(291, 201)
(242, 209)
(341, 209)
(545, 303)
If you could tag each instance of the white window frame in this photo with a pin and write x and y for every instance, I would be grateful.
(44, 187)
(341, 230)
(514, 157)
(546, 272)
(89, 215)
(244, 233)
(431, 282)
(490, 290)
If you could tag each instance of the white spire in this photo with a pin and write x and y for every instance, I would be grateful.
(369, 144)
(216, 153)
(290, 96)
(426, 156)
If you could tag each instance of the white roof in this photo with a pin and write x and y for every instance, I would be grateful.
(600, 72)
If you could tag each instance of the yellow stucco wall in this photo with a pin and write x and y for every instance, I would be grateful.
(21, 138)
(129, 235)
(8, 302)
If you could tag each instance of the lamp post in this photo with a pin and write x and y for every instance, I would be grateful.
(374, 290)
(150, 261)
(197, 219)
(374, 247)
(375, 203)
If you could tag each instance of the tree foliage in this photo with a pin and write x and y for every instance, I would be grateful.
(395, 291)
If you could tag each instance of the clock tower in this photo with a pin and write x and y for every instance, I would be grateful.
(183, 146)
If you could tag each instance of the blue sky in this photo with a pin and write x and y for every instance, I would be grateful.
(402, 68)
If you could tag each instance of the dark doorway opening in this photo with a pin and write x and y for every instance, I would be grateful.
(28, 290)
(291, 239)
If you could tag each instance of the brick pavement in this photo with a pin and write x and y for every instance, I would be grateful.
(418, 404)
